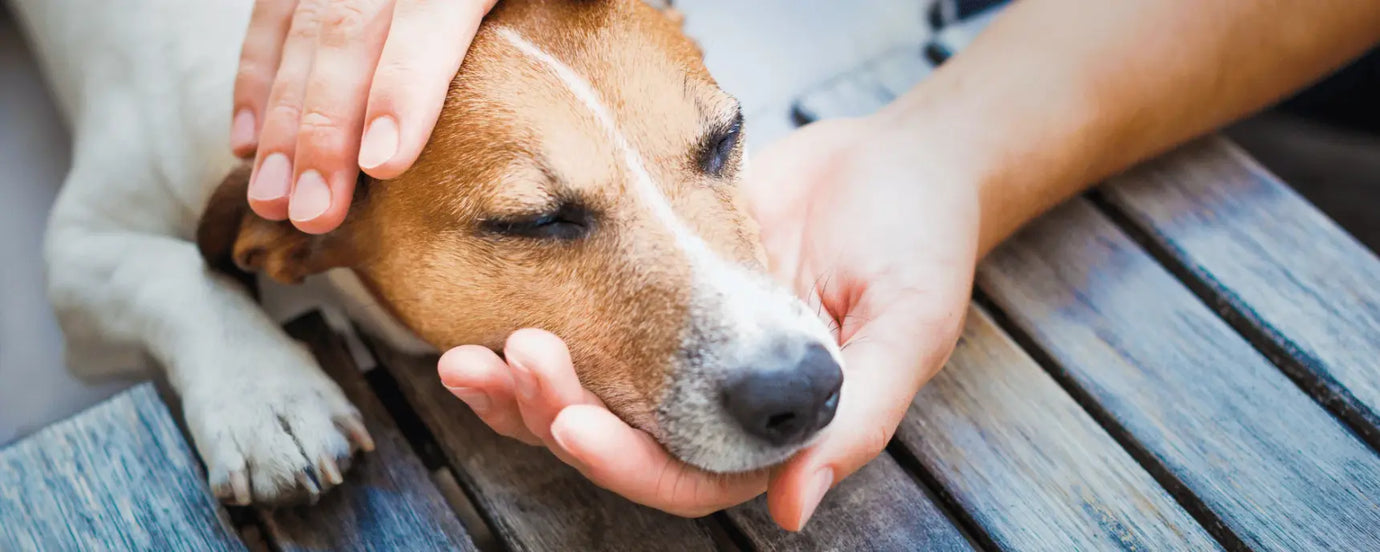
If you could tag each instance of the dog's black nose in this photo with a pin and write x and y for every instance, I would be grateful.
(787, 397)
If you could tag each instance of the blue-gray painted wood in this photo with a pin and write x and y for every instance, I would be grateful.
(1271, 261)
(1013, 450)
(866, 89)
(1028, 465)
(388, 500)
(1200, 402)
(118, 476)
(877, 508)
(533, 500)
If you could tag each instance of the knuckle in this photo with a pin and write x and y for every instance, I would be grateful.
(253, 75)
(304, 21)
(345, 22)
(279, 121)
(319, 131)
(286, 98)
(395, 71)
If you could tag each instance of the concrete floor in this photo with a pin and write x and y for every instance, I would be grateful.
(766, 52)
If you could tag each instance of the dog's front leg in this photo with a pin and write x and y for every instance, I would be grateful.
(270, 425)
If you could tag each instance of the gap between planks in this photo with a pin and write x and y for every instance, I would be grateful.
(1332, 396)
(1176, 488)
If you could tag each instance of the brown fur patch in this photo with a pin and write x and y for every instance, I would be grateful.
(513, 140)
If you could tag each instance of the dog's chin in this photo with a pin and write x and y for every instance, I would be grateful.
(726, 458)
(704, 436)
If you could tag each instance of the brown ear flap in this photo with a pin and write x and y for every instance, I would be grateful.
(233, 239)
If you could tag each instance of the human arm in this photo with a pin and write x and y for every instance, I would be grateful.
(882, 219)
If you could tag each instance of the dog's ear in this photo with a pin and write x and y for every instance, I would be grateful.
(232, 238)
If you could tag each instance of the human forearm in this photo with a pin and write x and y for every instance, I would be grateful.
(1058, 94)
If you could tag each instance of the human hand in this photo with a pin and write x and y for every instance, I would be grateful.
(315, 74)
(898, 278)
(880, 232)
(535, 397)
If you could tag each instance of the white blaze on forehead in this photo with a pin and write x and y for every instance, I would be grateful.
(750, 306)
(645, 187)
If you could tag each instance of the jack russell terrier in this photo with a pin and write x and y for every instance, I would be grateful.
(581, 179)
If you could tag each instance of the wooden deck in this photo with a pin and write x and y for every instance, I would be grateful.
(1186, 359)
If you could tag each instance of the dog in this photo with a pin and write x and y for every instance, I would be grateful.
(582, 179)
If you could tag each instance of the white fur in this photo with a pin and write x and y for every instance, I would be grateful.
(145, 86)
(745, 309)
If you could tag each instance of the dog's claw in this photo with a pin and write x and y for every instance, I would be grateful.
(308, 484)
(239, 488)
(353, 425)
(330, 473)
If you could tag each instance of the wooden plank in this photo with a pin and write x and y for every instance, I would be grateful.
(116, 477)
(866, 89)
(387, 501)
(1297, 284)
(533, 500)
(877, 508)
(1027, 464)
(899, 70)
(1207, 412)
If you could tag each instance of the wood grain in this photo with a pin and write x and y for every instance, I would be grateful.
(1268, 259)
(116, 477)
(388, 501)
(866, 89)
(533, 500)
(1203, 408)
(877, 508)
(1027, 464)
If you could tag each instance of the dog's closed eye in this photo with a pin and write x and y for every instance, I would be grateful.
(718, 146)
(566, 222)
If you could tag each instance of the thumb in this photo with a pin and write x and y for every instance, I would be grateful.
(884, 370)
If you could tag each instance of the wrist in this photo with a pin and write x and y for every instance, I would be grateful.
(954, 156)
(1019, 157)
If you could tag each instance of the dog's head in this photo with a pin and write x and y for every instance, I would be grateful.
(582, 179)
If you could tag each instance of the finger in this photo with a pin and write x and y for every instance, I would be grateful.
(886, 364)
(259, 57)
(271, 181)
(347, 49)
(629, 462)
(427, 41)
(478, 377)
(544, 378)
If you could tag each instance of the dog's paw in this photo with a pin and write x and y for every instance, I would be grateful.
(274, 439)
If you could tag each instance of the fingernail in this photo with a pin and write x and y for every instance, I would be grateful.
(273, 179)
(242, 129)
(525, 382)
(310, 198)
(380, 142)
(476, 399)
(819, 485)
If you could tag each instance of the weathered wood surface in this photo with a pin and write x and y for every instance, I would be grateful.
(116, 477)
(1027, 464)
(878, 508)
(1023, 460)
(1305, 289)
(533, 500)
(388, 501)
(866, 89)
(1207, 410)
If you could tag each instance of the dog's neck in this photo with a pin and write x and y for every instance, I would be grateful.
(359, 304)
